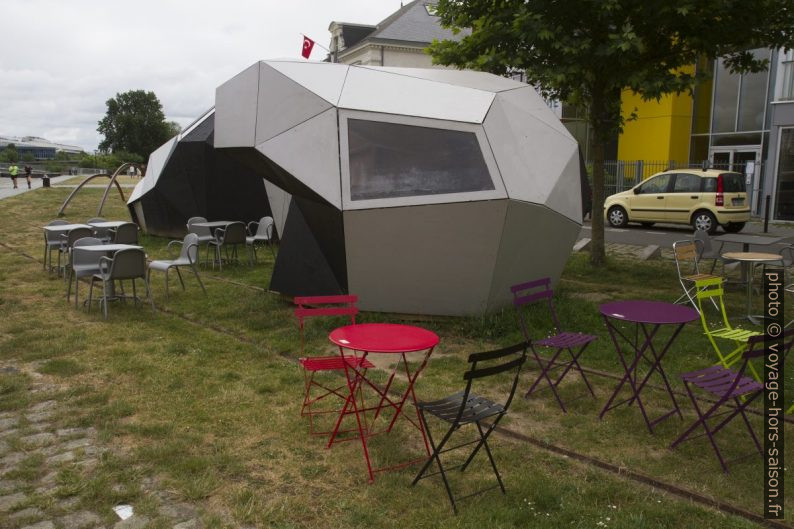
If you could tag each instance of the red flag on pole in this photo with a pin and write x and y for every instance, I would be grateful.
(308, 44)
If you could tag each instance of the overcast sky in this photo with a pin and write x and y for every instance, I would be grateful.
(60, 61)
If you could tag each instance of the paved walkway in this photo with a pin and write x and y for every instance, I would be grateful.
(7, 185)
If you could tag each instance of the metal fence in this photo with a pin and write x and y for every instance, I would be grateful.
(620, 175)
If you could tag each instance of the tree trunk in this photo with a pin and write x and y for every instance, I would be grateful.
(600, 133)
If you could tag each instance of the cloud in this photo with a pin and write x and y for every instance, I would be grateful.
(57, 73)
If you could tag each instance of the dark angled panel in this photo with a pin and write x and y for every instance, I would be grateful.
(301, 267)
(325, 222)
(198, 180)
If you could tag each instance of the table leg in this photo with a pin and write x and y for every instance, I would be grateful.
(656, 365)
(352, 384)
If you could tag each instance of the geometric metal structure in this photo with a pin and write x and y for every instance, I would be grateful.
(187, 177)
(423, 191)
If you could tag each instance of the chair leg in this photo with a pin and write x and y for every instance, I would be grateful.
(484, 442)
(76, 290)
(90, 293)
(195, 272)
(69, 287)
(166, 284)
(134, 293)
(149, 294)
(435, 456)
(105, 298)
(179, 275)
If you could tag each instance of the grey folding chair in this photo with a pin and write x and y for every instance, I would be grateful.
(52, 241)
(127, 233)
(67, 240)
(125, 264)
(264, 234)
(687, 263)
(82, 264)
(204, 234)
(188, 256)
(230, 237)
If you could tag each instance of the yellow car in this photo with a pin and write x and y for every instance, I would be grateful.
(703, 199)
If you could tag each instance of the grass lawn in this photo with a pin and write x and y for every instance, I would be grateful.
(121, 179)
(203, 399)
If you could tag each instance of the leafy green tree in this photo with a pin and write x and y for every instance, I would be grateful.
(174, 128)
(27, 157)
(586, 52)
(10, 153)
(135, 123)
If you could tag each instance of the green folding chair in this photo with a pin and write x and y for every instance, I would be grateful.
(717, 327)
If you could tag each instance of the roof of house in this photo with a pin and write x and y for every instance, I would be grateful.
(411, 24)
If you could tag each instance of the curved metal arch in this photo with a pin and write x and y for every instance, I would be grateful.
(112, 177)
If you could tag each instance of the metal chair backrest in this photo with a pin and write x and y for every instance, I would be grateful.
(189, 248)
(534, 292)
(128, 264)
(77, 233)
(198, 230)
(233, 234)
(705, 242)
(53, 236)
(95, 219)
(127, 233)
(756, 348)
(492, 363)
(686, 252)
(86, 258)
(711, 289)
(315, 306)
(265, 228)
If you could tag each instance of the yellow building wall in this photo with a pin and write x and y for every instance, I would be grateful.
(661, 130)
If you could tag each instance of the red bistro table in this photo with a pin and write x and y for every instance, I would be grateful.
(381, 338)
(647, 316)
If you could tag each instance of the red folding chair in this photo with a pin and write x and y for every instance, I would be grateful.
(318, 306)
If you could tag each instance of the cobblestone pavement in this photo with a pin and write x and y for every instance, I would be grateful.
(35, 455)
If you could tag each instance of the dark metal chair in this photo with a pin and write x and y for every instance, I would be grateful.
(466, 408)
(525, 294)
(324, 306)
(52, 241)
(188, 256)
(225, 238)
(125, 264)
(733, 392)
(127, 233)
(264, 234)
(82, 264)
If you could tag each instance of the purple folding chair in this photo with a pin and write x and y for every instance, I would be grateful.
(733, 392)
(573, 342)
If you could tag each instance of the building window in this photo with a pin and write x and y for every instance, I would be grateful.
(787, 77)
(740, 99)
(389, 160)
(784, 198)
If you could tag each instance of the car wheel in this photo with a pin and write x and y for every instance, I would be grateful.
(617, 217)
(704, 221)
(733, 227)
(647, 224)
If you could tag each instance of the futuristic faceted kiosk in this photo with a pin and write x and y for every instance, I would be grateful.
(187, 177)
(422, 191)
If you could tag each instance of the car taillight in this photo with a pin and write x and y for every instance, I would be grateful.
(720, 201)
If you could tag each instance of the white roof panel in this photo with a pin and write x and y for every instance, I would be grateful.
(282, 104)
(468, 78)
(379, 91)
(323, 78)
(235, 101)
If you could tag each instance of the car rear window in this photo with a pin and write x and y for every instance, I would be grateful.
(731, 183)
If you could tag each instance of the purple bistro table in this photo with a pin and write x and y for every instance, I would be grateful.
(648, 317)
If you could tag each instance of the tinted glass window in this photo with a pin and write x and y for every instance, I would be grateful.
(686, 183)
(709, 185)
(657, 184)
(389, 160)
(733, 182)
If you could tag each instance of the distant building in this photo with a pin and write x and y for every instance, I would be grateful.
(397, 40)
(40, 148)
